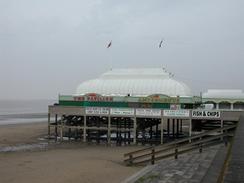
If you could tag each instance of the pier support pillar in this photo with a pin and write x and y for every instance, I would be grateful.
(190, 128)
(61, 131)
(222, 125)
(48, 126)
(181, 130)
(177, 128)
(56, 127)
(134, 131)
(173, 128)
(109, 130)
(168, 127)
(84, 130)
(162, 131)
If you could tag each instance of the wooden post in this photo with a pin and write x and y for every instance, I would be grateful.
(225, 141)
(84, 129)
(162, 131)
(130, 159)
(222, 126)
(135, 126)
(153, 156)
(200, 149)
(173, 127)
(69, 134)
(176, 153)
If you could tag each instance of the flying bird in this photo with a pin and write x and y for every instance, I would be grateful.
(109, 45)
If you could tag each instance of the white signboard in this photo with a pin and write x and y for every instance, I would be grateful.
(97, 110)
(148, 112)
(176, 113)
(174, 106)
(122, 111)
(205, 114)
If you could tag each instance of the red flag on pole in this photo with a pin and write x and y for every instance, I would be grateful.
(160, 44)
(109, 45)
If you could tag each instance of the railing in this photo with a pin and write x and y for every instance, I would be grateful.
(175, 148)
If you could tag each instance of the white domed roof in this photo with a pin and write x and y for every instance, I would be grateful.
(136, 82)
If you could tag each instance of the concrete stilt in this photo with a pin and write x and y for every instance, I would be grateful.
(177, 128)
(222, 125)
(61, 131)
(168, 126)
(56, 127)
(48, 126)
(109, 130)
(134, 131)
(173, 128)
(84, 130)
(190, 128)
(129, 125)
(181, 130)
(162, 131)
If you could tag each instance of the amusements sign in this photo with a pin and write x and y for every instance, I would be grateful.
(148, 112)
(205, 114)
(122, 111)
(97, 110)
(176, 113)
(159, 99)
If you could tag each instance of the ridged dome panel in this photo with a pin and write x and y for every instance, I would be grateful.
(136, 82)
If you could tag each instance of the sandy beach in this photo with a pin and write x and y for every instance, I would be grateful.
(60, 163)
(15, 134)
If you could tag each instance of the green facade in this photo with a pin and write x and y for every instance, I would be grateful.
(131, 102)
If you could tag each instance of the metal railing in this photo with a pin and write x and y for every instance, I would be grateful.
(177, 147)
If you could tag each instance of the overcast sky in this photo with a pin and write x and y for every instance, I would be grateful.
(48, 47)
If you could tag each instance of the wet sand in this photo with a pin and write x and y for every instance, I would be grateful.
(61, 163)
(22, 133)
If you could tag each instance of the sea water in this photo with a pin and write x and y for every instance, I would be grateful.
(23, 111)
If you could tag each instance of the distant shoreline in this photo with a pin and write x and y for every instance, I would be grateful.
(22, 118)
(24, 115)
(22, 123)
